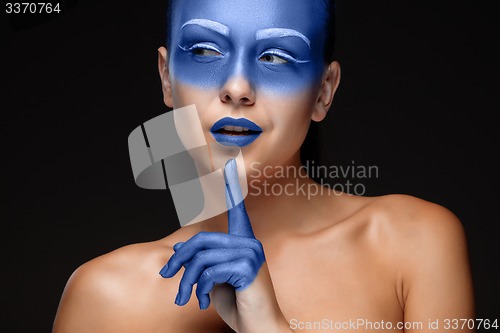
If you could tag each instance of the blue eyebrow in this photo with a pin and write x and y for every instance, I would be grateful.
(208, 24)
(280, 32)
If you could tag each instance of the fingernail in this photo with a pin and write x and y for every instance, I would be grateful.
(228, 169)
(164, 270)
(233, 189)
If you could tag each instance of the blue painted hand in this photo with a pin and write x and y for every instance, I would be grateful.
(213, 258)
(231, 268)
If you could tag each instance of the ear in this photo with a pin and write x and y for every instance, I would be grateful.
(164, 72)
(331, 80)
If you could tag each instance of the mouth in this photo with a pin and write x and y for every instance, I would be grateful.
(235, 132)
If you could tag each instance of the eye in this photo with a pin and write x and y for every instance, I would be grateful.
(272, 58)
(202, 52)
(277, 56)
(205, 50)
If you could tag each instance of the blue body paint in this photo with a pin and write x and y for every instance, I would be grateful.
(276, 45)
(212, 258)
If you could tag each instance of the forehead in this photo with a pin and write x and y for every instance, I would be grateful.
(248, 16)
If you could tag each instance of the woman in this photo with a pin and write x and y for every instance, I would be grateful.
(320, 260)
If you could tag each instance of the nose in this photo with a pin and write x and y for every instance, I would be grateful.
(238, 91)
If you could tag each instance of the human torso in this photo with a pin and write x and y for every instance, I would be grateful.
(326, 280)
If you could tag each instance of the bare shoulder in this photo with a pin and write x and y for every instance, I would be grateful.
(398, 219)
(122, 290)
(425, 245)
(414, 223)
(101, 291)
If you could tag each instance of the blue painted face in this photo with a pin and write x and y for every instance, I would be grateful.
(277, 45)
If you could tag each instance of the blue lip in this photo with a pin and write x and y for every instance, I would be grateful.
(235, 140)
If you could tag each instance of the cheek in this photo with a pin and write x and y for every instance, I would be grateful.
(205, 100)
(184, 95)
(291, 113)
(290, 118)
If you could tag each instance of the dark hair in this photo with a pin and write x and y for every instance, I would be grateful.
(311, 149)
(330, 32)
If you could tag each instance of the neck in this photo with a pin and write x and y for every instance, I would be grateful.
(281, 198)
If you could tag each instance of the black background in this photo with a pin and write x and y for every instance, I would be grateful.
(418, 99)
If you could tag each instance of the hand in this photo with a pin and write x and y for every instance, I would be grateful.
(230, 267)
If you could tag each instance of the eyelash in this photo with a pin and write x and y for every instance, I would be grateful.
(281, 55)
(202, 46)
(275, 53)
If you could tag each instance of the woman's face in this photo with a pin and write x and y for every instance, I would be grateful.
(254, 70)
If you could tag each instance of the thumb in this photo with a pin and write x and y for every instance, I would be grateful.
(238, 220)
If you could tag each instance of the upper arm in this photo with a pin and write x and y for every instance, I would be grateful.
(89, 303)
(437, 280)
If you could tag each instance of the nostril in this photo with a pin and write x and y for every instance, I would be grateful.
(242, 100)
(237, 91)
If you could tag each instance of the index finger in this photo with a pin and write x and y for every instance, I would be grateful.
(238, 220)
